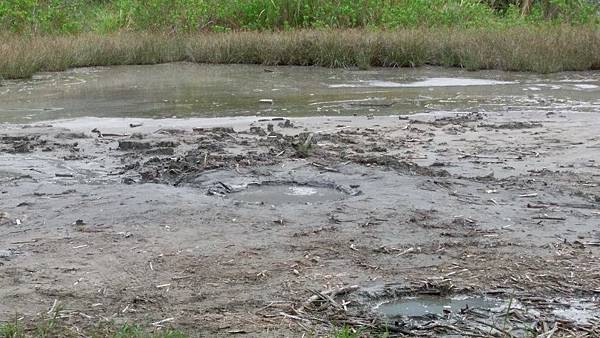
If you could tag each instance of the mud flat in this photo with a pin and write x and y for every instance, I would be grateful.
(488, 221)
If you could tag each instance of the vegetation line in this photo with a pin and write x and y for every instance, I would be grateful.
(538, 49)
(105, 16)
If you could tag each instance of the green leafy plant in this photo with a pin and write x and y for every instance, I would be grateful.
(105, 16)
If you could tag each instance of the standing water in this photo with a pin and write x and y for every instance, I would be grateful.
(196, 90)
(430, 305)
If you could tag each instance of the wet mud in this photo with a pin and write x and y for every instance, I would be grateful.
(464, 223)
(233, 222)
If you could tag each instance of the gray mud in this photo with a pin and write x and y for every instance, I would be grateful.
(231, 224)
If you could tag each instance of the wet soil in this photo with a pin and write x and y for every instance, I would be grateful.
(223, 226)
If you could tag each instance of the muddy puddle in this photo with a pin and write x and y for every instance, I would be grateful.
(421, 310)
(577, 311)
(192, 90)
(582, 312)
(431, 305)
(287, 194)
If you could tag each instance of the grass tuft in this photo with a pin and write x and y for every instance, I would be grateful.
(134, 331)
(54, 328)
(11, 330)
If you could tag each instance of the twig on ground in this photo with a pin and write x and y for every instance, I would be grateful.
(330, 293)
(160, 322)
(552, 218)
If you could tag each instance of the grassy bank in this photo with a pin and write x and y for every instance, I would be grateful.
(544, 36)
(538, 49)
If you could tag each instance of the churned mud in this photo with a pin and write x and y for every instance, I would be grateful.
(435, 224)
(476, 216)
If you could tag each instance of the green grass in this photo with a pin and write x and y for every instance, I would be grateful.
(54, 324)
(104, 16)
(11, 330)
(348, 332)
(132, 331)
(53, 328)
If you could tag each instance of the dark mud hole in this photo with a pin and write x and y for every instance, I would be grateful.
(272, 192)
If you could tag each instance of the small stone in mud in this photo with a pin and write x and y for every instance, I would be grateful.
(125, 234)
(171, 131)
(513, 125)
(149, 175)
(274, 135)
(379, 149)
(462, 221)
(459, 119)
(141, 145)
(128, 180)
(5, 254)
(226, 130)
(133, 145)
(286, 124)
(160, 151)
(4, 218)
(219, 189)
(166, 144)
(22, 148)
(71, 136)
(258, 131)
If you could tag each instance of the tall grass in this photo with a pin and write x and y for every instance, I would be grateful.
(535, 49)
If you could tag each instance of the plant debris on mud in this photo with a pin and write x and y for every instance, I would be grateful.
(141, 223)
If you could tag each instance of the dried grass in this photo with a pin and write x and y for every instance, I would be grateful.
(535, 49)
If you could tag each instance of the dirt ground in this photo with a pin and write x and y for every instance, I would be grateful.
(186, 223)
